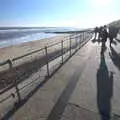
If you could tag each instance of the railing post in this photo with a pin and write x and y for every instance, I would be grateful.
(79, 40)
(76, 41)
(47, 62)
(70, 45)
(83, 36)
(15, 82)
(10, 64)
(62, 50)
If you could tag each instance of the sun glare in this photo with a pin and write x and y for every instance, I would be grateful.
(102, 2)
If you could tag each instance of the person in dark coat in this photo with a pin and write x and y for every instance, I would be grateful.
(100, 33)
(112, 34)
(95, 31)
(104, 36)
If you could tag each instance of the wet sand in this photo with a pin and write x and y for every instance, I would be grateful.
(18, 50)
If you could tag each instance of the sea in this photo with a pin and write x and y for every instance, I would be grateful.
(14, 36)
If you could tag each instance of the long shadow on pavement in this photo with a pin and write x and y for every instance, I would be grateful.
(24, 71)
(104, 89)
(17, 106)
(115, 57)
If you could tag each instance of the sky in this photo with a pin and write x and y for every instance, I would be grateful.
(58, 13)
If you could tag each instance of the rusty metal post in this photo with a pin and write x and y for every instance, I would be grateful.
(62, 50)
(47, 62)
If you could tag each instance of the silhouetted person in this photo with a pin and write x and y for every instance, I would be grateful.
(100, 33)
(104, 35)
(95, 31)
(112, 34)
(104, 89)
(115, 57)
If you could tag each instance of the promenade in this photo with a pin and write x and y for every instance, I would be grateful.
(86, 87)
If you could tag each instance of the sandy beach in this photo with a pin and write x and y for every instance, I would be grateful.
(18, 50)
(30, 64)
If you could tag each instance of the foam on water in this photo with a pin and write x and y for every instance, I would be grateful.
(13, 37)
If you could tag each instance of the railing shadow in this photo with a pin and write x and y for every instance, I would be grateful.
(33, 67)
(104, 89)
(115, 57)
(25, 70)
(18, 105)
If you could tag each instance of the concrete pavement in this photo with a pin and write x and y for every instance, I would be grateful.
(97, 94)
(87, 87)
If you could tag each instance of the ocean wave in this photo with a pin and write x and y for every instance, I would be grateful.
(8, 37)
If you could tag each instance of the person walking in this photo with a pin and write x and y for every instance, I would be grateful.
(95, 31)
(100, 33)
(104, 35)
(112, 33)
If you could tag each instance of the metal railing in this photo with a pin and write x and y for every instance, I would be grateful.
(21, 78)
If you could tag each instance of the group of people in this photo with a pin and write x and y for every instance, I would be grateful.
(105, 32)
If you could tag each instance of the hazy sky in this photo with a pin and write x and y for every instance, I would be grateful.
(71, 13)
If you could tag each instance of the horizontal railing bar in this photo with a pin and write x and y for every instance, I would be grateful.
(14, 59)
(53, 44)
(27, 54)
(4, 62)
(30, 83)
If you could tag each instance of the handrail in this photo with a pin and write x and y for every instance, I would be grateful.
(27, 54)
(70, 47)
